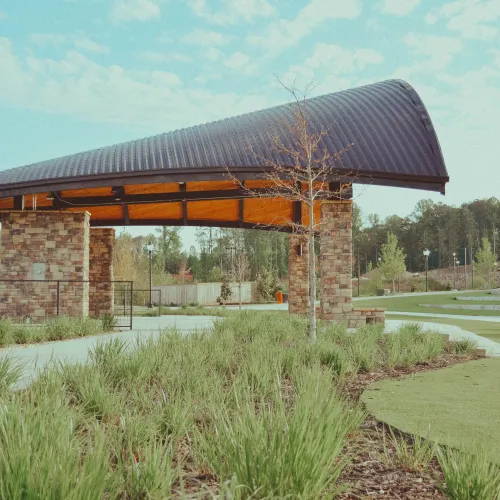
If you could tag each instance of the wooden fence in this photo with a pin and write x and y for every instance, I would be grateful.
(204, 294)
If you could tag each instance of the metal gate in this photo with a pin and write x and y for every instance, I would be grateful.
(36, 300)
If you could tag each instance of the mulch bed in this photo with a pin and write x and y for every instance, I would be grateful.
(369, 474)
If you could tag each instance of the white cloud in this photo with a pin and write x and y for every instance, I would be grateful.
(88, 45)
(496, 57)
(332, 67)
(437, 53)
(431, 18)
(342, 60)
(79, 87)
(474, 19)
(162, 57)
(134, 10)
(233, 11)
(430, 44)
(285, 33)
(207, 78)
(205, 38)
(238, 60)
(399, 7)
(44, 39)
(213, 54)
(79, 41)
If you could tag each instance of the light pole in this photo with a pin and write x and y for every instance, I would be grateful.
(454, 269)
(149, 247)
(426, 254)
(457, 262)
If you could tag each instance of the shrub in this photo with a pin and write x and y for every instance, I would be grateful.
(272, 453)
(415, 455)
(6, 331)
(225, 291)
(108, 322)
(469, 476)
(43, 458)
(410, 345)
(10, 373)
(464, 347)
(267, 284)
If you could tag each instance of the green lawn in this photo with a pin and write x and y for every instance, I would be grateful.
(487, 329)
(411, 304)
(460, 405)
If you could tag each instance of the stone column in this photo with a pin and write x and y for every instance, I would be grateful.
(298, 275)
(336, 260)
(44, 247)
(101, 291)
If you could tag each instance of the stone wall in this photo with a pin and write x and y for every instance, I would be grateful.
(336, 259)
(298, 273)
(101, 295)
(44, 246)
(336, 268)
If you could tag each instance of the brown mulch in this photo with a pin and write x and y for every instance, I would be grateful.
(370, 474)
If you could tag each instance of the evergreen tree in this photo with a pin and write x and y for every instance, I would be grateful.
(486, 260)
(392, 264)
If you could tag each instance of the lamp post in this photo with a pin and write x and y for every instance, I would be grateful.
(457, 262)
(426, 254)
(454, 271)
(149, 247)
(472, 267)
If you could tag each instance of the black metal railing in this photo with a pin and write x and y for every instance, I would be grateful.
(41, 299)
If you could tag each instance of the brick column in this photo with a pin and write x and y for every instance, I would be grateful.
(41, 246)
(101, 295)
(336, 260)
(298, 275)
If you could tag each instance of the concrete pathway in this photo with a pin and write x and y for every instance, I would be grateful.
(36, 356)
(493, 319)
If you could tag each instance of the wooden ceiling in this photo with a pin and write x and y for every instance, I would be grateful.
(208, 203)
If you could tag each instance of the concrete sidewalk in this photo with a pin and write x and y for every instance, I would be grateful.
(36, 356)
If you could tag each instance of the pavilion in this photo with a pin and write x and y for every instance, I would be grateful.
(56, 215)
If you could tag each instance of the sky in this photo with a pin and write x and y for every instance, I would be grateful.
(81, 74)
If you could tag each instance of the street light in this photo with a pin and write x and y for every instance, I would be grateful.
(454, 271)
(149, 248)
(426, 254)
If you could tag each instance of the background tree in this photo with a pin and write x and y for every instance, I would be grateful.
(392, 265)
(486, 260)
(168, 249)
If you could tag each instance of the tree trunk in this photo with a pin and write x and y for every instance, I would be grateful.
(239, 295)
(312, 272)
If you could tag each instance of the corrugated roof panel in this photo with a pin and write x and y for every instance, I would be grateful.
(391, 133)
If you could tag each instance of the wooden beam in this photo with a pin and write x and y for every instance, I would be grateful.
(56, 202)
(297, 209)
(137, 199)
(18, 202)
(241, 209)
(182, 189)
(340, 191)
(193, 222)
(126, 215)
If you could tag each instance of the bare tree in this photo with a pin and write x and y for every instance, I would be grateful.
(237, 260)
(304, 170)
(240, 271)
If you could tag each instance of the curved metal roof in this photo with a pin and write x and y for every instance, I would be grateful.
(394, 143)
